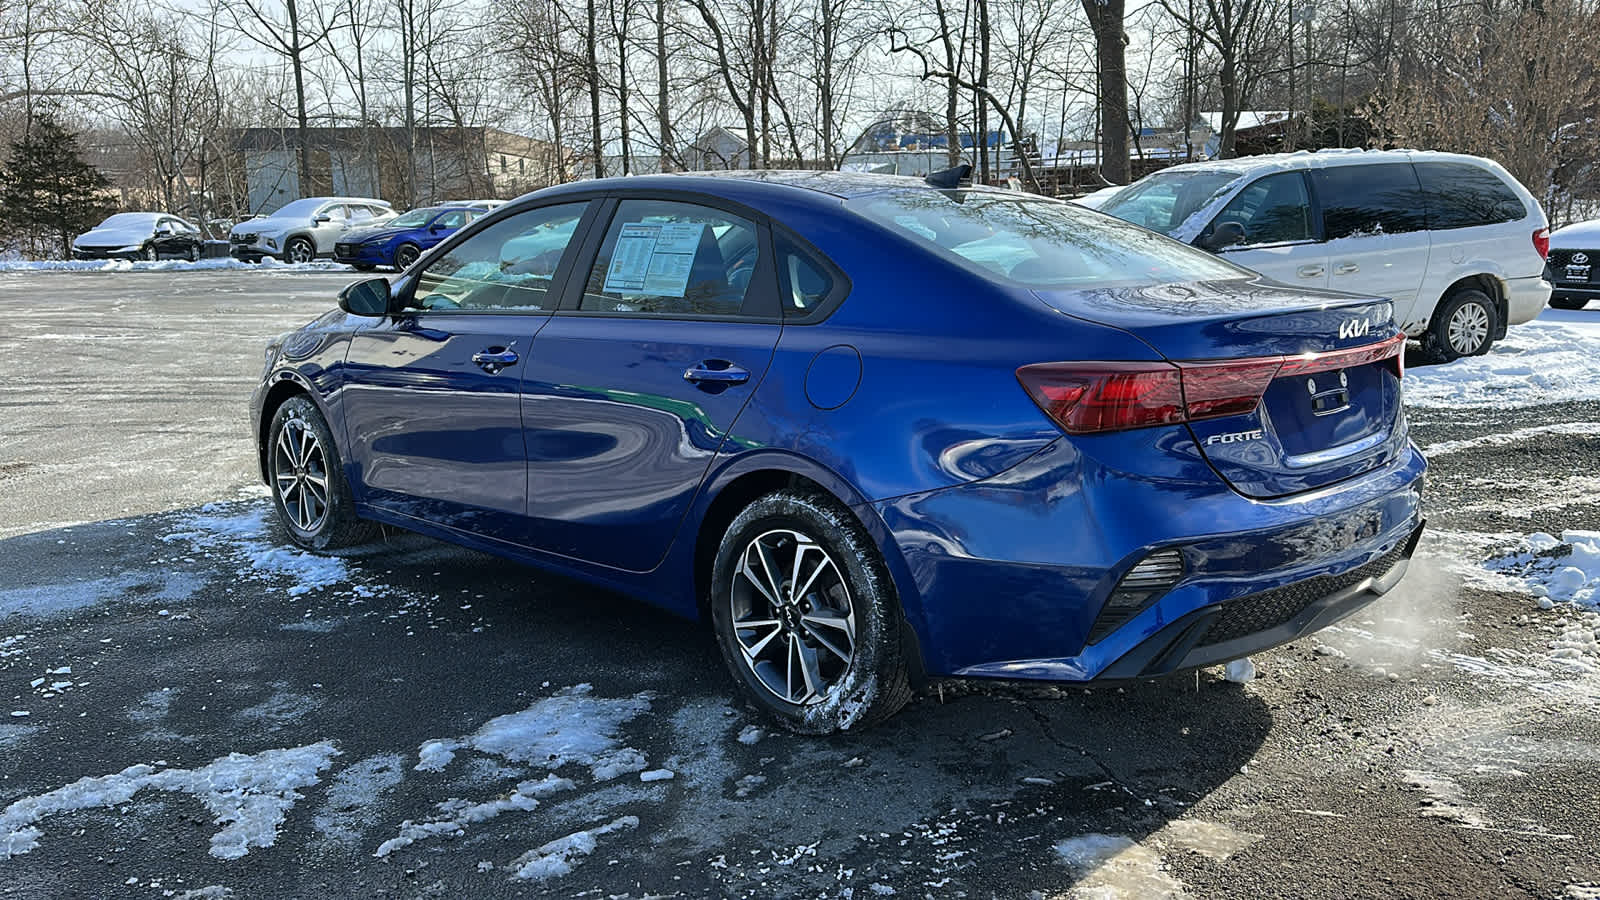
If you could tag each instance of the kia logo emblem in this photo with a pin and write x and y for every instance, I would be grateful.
(1353, 328)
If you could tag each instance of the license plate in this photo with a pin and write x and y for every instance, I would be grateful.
(1577, 273)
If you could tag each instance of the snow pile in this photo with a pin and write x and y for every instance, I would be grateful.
(1562, 571)
(245, 535)
(248, 795)
(560, 855)
(1535, 364)
(571, 727)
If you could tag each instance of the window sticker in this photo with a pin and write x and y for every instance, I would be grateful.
(654, 259)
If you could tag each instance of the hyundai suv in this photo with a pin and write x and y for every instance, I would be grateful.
(1574, 266)
(304, 229)
(1453, 240)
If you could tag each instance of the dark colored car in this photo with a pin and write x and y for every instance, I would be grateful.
(869, 429)
(140, 235)
(1573, 268)
(398, 242)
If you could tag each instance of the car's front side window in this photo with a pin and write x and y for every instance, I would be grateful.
(666, 257)
(1272, 210)
(507, 266)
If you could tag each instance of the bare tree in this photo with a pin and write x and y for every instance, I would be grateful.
(292, 32)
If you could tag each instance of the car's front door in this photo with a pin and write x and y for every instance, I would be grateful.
(1281, 240)
(442, 226)
(326, 233)
(430, 397)
(639, 380)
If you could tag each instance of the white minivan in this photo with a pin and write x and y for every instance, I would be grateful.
(1453, 240)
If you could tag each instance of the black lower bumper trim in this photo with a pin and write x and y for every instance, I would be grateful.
(1250, 624)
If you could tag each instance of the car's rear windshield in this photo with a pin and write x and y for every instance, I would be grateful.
(1040, 243)
(1165, 200)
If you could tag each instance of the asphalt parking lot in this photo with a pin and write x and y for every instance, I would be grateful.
(192, 709)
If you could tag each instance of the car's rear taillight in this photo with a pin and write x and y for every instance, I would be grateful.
(1092, 397)
(1541, 242)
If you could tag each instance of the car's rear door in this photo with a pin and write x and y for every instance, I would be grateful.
(430, 398)
(1376, 224)
(639, 379)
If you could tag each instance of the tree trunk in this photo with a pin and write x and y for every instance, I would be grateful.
(302, 123)
(663, 117)
(1110, 53)
(594, 93)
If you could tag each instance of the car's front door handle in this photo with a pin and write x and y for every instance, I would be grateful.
(494, 359)
(716, 371)
(1311, 271)
(1348, 268)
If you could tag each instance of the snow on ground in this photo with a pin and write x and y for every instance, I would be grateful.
(248, 795)
(245, 534)
(166, 265)
(1564, 575)
(560, 855)
(1539, 363)
(1115, 867)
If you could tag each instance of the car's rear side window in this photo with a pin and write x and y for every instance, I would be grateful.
(666, 257)
(1039, 243)
(1369, 200)
(507, 266)
(804, 279)
(1460, 195)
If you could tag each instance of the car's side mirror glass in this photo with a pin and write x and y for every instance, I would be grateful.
(322, 219)
(366, 298)
(1225, 234)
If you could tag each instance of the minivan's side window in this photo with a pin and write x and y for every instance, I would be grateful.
(805, 281)
(1273, 210)
(1460, 195)
(670, 258)
(507, 266)
(1369, 200)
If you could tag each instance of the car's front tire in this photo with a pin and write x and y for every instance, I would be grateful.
(148, 253)
(309, 490)
(299, 250)
(806, 615)
(1464, 325)
(193, 254)
(405, 255)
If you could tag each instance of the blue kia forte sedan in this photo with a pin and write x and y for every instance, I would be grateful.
(398, 242)
(871, 430)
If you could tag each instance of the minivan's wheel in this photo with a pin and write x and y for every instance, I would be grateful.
(309, 490)
(300, 250)
(1462, 326)
(405, 255)
(806, 615)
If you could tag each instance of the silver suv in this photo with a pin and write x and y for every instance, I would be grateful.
(304, 229)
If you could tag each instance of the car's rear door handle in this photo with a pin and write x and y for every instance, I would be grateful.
(716, 371)
(494, 359)
(1311, 271)
(1348, 268)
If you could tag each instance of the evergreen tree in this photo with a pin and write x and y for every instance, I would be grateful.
(47, 192)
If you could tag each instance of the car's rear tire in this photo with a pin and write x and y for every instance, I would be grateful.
(806, 615)
(309, 490)
(1463, 325)
(148, 252)
(405, 255)
(299, 250)
(1569, 302)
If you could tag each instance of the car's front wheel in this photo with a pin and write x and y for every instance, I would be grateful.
(194, 253)
(405, 255)
(1463, 326)
(806, 616)
(148, 252)
(309, 490)
(300, 250)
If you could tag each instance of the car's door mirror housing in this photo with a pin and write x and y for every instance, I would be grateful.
(367, 298)
(1225, 234)
(321, 219)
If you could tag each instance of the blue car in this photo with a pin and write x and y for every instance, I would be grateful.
(399, 242)
(872, 430)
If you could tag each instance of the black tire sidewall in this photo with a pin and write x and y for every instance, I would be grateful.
(1439, 334)
(400, 261)
(340, 505)
(289, 248)
(875, 666)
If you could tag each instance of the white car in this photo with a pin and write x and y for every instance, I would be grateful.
(1097, 199)
(1453, 240)
(303, 230)
(1574, 265)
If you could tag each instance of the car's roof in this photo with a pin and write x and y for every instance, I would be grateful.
(1303, 159)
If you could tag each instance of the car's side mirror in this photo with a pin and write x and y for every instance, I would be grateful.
(366, 298)
(1226, 234)
(321, 219)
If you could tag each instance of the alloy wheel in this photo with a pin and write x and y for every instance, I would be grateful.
(792, 616)
(405, 256)
(1469, 328)
(300, 251)
(300, 473)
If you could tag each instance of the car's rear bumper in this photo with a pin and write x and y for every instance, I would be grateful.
(1525, 298)
(1009, 576)
(1561, 291)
